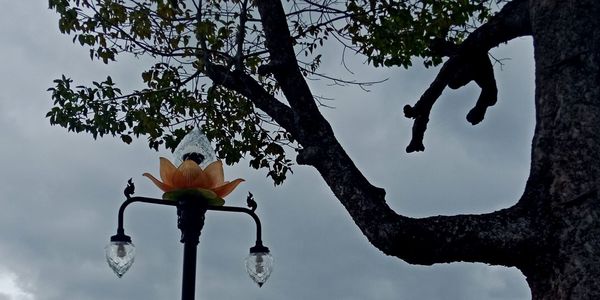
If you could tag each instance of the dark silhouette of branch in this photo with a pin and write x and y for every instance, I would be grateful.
(469, 62)
(491, 238)
(241, 35)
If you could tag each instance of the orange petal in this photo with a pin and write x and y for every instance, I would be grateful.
(214, 171)
(227, 188)
(190, 175)
(167, 170)
(163, 186)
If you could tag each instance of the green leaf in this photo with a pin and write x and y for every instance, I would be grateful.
(126, 139)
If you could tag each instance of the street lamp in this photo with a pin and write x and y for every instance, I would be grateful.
(120, 252)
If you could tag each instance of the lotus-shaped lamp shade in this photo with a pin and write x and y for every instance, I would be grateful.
(190, 180)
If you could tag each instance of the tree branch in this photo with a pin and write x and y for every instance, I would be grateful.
(241, 35)
(469, 61)
(248, 87)
(284, 66)
(491, 238)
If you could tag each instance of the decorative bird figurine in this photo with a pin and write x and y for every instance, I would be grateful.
(251, 203)
(130, 189)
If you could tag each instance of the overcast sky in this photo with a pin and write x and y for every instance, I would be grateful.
(60, 192)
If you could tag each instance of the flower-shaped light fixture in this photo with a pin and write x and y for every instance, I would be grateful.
(190, 179)
(195, 186)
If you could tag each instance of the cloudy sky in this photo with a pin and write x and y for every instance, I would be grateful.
(60, 191)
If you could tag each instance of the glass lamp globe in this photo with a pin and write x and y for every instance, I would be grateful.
(120, 255)
(259, 265)
(195, 146)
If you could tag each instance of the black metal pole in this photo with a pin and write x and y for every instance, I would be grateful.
(190, 213)
(188, 285)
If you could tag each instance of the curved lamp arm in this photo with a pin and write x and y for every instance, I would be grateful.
(120, 236)
(243, 210)
(120, 231)
(120, 252)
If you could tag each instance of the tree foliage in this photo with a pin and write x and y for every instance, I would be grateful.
(182, 37)
(392, 33)
(176, 97)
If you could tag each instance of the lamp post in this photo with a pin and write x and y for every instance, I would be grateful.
(120, 252)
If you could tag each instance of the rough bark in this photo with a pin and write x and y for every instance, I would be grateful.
(566, 148)
(553, 233)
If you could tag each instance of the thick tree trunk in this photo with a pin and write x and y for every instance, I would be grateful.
(565, 172)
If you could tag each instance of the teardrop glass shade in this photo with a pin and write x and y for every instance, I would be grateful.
(196, 146)
(259, 266)
(120, 256)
